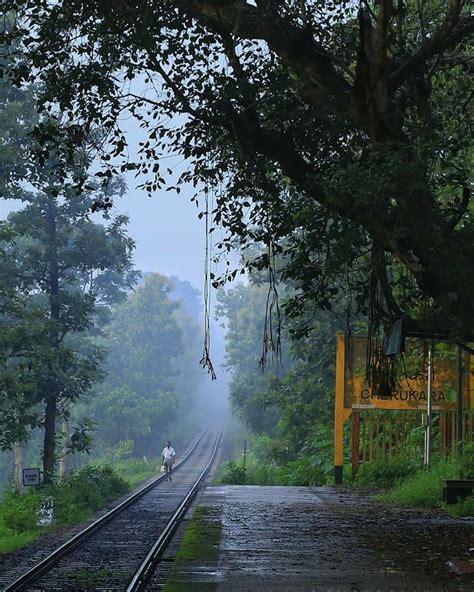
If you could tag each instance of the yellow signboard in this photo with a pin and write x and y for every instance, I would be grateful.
(411, 390)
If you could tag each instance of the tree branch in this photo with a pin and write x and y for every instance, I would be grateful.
(461, 209)
(309, 60)
(155, 66)
(450, 32)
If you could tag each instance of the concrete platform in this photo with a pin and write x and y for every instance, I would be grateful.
(300, 539)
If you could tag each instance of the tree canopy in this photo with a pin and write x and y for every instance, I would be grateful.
(337, 132)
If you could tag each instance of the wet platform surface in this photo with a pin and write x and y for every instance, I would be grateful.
(305, 539)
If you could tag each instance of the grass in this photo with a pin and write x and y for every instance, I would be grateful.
(11, 540)
(135, 470)
(200, 544)
(424, 488)
(303, 471)
(463, 508)
(384, 474)
(74, 500)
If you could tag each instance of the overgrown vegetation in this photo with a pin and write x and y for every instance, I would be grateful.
(93, 353)
(287, 411)
(201, 545)
(421, 487)
(72, 501)
(384, 473)
(269, 462)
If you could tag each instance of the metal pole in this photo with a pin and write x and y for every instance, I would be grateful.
(459, 401)
(245, 452)
(427, 458)
(355, 444)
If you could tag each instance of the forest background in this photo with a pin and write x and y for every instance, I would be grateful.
(341, 171)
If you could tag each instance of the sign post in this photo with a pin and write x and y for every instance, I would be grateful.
(342, 413)
(459, 397)
(31, 477)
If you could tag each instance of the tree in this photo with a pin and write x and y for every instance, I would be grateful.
(18, 117)
(151, 346)
(345, 130)
(66, 268)
(242, 309)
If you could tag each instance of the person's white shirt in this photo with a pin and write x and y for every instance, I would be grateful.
(168, 453)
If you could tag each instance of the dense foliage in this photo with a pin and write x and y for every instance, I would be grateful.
(339, 132)
(152, 368)
(74, 500)
(64, 269)
(288, 409)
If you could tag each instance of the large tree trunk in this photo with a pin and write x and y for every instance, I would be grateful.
(51, 395)
(49, 437)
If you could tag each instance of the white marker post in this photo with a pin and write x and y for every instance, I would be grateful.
(427, 456)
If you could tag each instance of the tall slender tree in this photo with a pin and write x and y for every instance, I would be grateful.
(68, 266)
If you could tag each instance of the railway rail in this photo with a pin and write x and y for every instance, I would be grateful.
(120, 550)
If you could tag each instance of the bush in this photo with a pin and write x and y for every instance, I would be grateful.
(304, 471)
(85, 492)
(19, 513)
(425, 488)
(121, 451)
(233, 474)
(297, 472)
(134, 470)
(75, 499)
(384, 474)
(466, 461)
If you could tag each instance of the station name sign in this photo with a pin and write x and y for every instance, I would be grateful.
(411, 390)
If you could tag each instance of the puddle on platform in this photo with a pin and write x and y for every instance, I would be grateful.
(204, 575)
(462, 566)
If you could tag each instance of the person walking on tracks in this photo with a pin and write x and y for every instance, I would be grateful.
(168, 455)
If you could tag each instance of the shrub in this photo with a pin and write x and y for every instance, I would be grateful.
(463, 508)
(304, 471)
(85, 492)
(297, 472)
(425, 487)
(75, 499)
(19, 513)
(134, 470)
(466, 461)
(384, 474)
(233, 474)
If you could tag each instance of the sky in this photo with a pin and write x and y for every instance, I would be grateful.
(169, 236)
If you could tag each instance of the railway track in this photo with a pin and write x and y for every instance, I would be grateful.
(122, 548)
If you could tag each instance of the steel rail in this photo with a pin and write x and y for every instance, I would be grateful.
(145, 571)
(48, 562)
